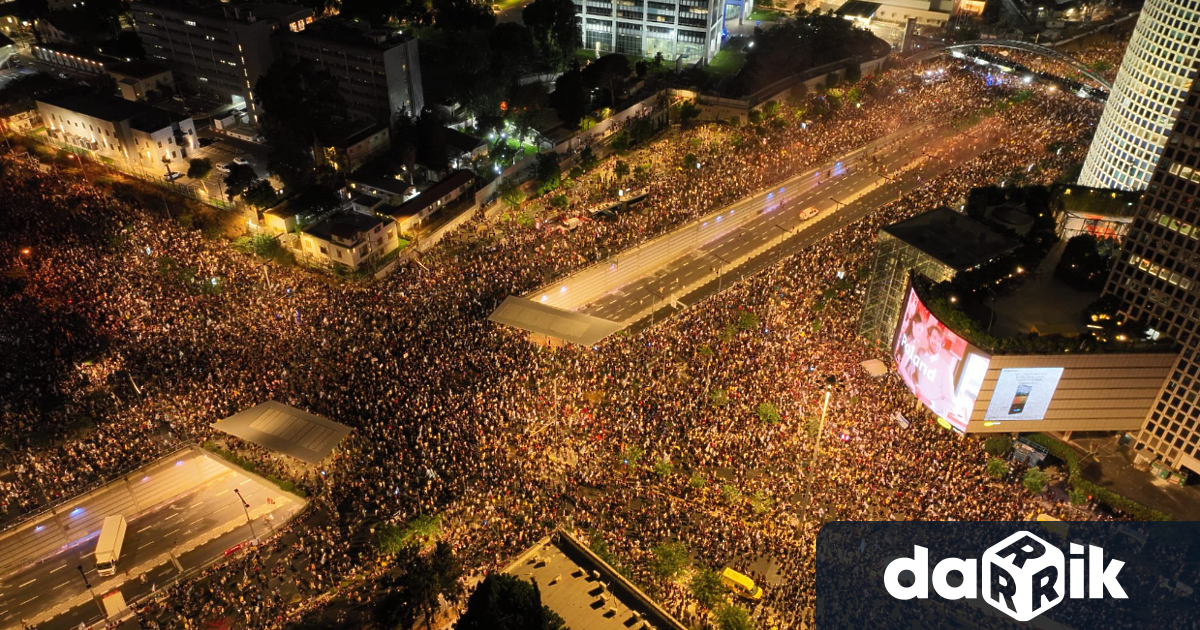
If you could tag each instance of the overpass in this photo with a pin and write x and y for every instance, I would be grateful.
(1011, 44)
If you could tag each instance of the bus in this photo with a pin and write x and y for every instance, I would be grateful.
(108, 547)
(740, 584)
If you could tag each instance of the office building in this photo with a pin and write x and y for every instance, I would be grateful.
(132, 132)
(1156, 72)
(689, 30)
(378, 71)
(220, 48)
(1158, 279)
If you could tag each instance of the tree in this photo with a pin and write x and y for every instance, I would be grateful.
(413, 591)
(771, 109)
(463, 15)
(1034, 481)
(559, 202)
(260, 194)
(997, 468)
(504, 602)
(1078, 497)
(706, 586)
(670, 559)
(299, 104)
(734, 617)
(997, 445)
(570, 98)
(853, 72)
(548, 172)
(554, 25)
(199, 168)
(767, 414)
(238, 179)
(608, 72)
(588, 159)
(511, 193)
(620, 169)
(690, 161)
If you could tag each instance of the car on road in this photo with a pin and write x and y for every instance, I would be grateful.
(809, 213)
(241, 159)
(172, 176)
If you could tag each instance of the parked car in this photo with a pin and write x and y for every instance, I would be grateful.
(243, 160)
(204, 142)
(222, 167)
(172, 176)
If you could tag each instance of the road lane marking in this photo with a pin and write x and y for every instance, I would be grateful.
(28, 600)
(144, 529)
(27, 583)
(244, 482)
(58, 569)
(171, 516)
(146, 545)
(63, 585)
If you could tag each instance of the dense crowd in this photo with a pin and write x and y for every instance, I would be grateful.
(130, 332)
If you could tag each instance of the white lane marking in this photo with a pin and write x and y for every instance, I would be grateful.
(27, 583)
(144, 528)
(63, 585)
(146, 545)
(28, 600)
(225, 491)
(171, 516)
(58, 569)
(244, 482)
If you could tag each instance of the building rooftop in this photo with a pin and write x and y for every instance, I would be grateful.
(463, 141)
(346, 226)
(585, 591)
(350, 34)
(239, 11)
(350, 133)
(858, 9)
(432, 195)
(1097, 202)
(137, 69)
(954, 239)
(141, 116)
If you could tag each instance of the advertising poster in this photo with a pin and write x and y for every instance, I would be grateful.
(1023, 394)
(943, 371)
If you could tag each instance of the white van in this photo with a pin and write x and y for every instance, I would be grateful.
(108, 547)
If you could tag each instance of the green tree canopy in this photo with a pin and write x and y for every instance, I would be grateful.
(670, 559)
(504, 602)
(238, 179)
(199, 168)
(299, 104)
(706, 587)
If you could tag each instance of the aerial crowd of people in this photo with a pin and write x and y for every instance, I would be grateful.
(127, 333)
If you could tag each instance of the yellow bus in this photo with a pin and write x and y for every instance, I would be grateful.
(740, 584)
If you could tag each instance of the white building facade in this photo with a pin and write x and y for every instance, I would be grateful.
(690, 29)
(1155, 75)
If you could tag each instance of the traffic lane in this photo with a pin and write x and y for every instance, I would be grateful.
(198, 558)
(861, 185)
(147, 538)
(49, 583)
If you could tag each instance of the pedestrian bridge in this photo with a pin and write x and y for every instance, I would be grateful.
(1011, 44)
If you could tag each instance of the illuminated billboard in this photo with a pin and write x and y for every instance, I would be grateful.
(1023, 393)
(941, 369)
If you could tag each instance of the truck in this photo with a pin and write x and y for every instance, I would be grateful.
(108, 547)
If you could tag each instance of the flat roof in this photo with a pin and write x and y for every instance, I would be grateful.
(463, 141)
(138, 68)
(542, 319)
(337, 31)
(350, 133)
(1097, 202)
(952, 238)
(286, 430)
(585, 591)
(858, 9)
(371, 176)
(140, 115)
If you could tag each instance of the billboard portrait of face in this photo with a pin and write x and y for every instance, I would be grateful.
(941, 369)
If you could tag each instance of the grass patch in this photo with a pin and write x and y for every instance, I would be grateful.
(726, 62)
(760, 15)
(250, 466)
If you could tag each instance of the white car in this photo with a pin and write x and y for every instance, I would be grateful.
(223, 167)
(809, 213)
(244, 161)
(172, 176)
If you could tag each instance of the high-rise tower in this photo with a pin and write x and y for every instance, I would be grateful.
(1158, 278)
(1156, 72)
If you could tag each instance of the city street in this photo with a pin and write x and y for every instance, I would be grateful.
(842, 191)
(204, 515)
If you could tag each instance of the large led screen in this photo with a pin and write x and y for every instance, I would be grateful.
(941, 368)
(1023, 393)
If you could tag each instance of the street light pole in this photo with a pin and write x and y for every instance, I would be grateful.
(103, 614)
(246, 509)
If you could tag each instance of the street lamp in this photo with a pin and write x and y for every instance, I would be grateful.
(246, 509)
(88, 584)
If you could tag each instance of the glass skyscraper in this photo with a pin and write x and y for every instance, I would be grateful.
(1155, 74)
